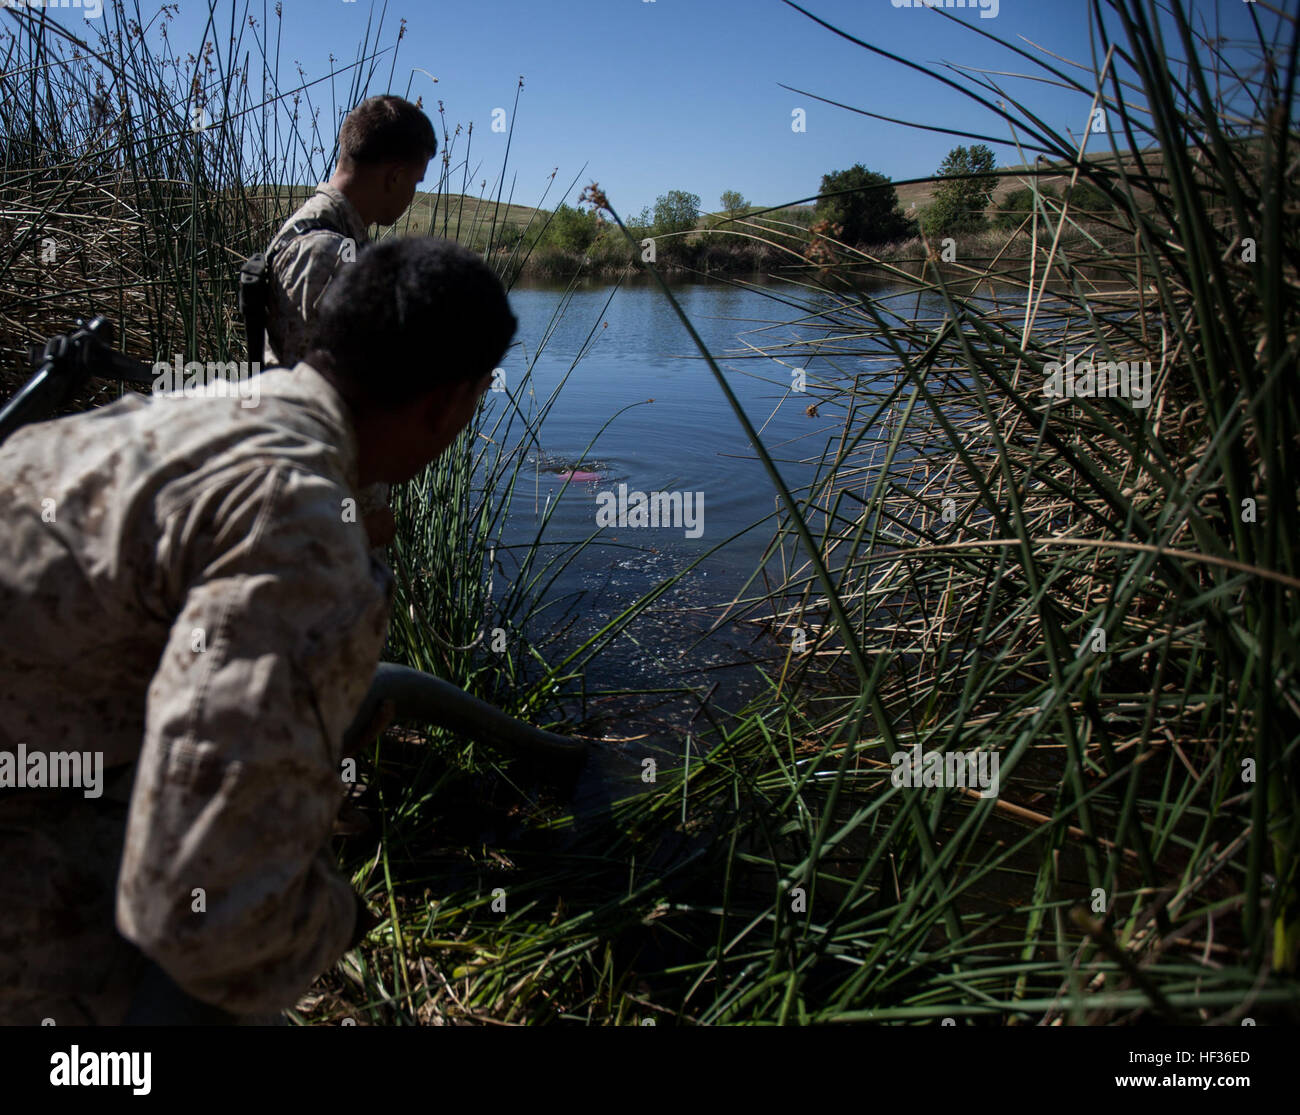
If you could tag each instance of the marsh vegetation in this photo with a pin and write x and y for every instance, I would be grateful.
(1103, 595)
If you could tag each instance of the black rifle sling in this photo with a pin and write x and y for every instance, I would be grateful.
(255, 283)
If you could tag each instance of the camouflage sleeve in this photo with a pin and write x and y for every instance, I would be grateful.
(227, 879)
(303, 269)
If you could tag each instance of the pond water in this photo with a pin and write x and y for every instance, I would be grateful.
(626, 353)
(641, 412)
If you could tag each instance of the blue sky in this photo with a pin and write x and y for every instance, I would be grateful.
(686, 94)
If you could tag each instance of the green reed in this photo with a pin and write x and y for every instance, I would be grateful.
(967, 550)
(946, 581)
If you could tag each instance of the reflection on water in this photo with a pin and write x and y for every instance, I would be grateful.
(624, 352)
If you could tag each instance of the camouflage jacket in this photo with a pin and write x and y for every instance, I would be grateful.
(302, 268)
(185, 592)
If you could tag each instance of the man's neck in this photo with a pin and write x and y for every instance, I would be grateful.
(352, 189)
(356, 417)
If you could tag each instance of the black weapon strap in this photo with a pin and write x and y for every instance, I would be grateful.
(296, 229)
(255, 282)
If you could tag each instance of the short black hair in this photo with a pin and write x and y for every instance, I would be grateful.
(387, 129)
(408, 314)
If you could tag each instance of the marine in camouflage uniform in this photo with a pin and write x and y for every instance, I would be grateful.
(185, 587)
(385, 145)
(302, 266)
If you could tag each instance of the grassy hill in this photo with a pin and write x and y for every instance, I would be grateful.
(922, 193)
(456, 215)
(471, 220)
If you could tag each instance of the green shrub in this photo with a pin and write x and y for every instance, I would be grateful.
(1018, 204)
(570, 230)
(1084, 197)
(869, 216)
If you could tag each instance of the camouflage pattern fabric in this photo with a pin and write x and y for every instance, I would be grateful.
(186, 590)
(301, 270)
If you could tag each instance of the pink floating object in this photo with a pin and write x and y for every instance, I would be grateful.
(578, 475)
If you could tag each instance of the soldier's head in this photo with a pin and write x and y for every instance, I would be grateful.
(410, 334)
(385, 146)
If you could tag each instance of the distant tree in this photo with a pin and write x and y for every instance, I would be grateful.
(959, 204)
(676, 211)
(733, 203)
(643, 221)
(870, 215)
(571, 230)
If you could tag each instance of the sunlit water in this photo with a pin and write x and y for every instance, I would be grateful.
(627, 354)
(678, 434)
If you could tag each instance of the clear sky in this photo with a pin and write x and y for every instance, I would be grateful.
(652, 95)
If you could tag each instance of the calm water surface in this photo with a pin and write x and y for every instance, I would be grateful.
(676, 433)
